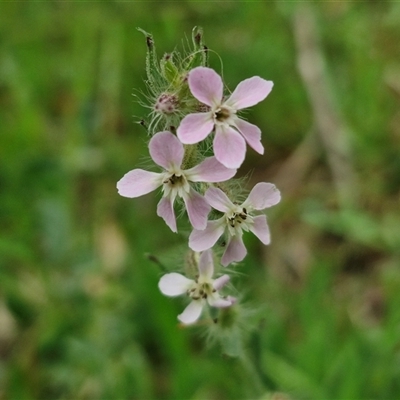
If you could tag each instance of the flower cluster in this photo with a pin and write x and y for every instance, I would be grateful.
(189, 103)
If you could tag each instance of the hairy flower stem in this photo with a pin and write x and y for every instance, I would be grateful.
(253, 373)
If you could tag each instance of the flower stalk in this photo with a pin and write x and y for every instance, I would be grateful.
(191, 115)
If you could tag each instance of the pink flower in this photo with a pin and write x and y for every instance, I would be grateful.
(202, 290)
(168, 152)
(236, 219)
(231, 132)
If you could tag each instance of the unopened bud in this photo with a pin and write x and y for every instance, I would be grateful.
(149, 42)
(197, 38)
(166, 104)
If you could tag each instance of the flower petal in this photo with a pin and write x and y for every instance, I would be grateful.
(197, 209)
(260, 229)
(192, 312)
(210, 170)
(138, 182)
(206, 264)
(229, 147)
(263, 195)
(251, 133)
(221, 282)
(195, 127)
(205, 239)
(235, 251)
(165, 210)
(249, 92)
(217, 301)
(174, 284)
(166, 150)
(232, 299)
(206, 85)
(217, 199)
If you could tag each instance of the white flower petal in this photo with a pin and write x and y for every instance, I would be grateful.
(209, 170)
(220, 282)
(138, 182)
(217, 301)
(165, 210)
(174, 284)
(251, 133)
(249, 92)
(235, 251)
(206, 85)
(195, 127)
(205, 239)
(260, 229)
(192, 312)
(166, 150)
(197, 209)
(263, 195)
(217, 199)
(229, 146)
(206, 264)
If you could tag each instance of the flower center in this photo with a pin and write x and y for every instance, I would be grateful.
(175, 180)
(222, 114)
(200, 290)
(175, 183)
(237, 217)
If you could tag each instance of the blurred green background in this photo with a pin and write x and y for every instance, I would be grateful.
(81, 316)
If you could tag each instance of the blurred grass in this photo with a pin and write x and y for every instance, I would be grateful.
(81, 316)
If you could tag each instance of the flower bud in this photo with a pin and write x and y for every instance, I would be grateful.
(166, 103)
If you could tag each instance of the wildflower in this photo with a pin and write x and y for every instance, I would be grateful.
(231, 132)
(236, 219)
(168, 152)
(202, 290)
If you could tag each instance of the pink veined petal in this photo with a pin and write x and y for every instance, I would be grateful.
(217, 301)
(205, 239)
(251, 133)
(232, 299)
(206, 85)
(210, 170)
(263, 195)
(192, 312)
(260, 229)
(195, 127)
(138, 182)
(174, 284)
(197, 209)
(220, 282)
(249, 92)
(206, 264)
(235, 251)
(217, 199)
(165, 210)
(166, 150)
(229, 147)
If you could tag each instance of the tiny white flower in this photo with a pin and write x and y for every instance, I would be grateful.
(168, 152)
(231, 132)
(236, 219)
(204, 289)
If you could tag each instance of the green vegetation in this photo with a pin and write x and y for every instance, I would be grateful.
(81, 316)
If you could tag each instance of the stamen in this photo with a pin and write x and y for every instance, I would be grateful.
(222, 114)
